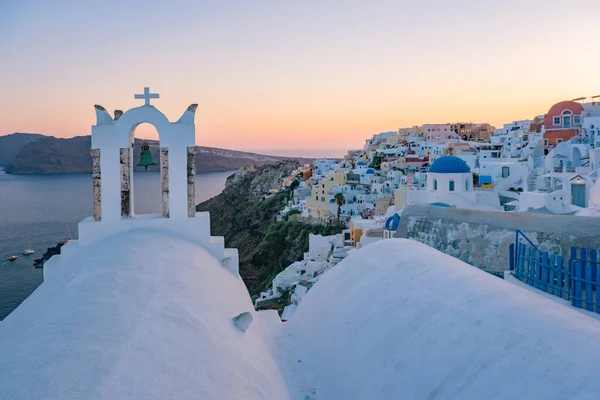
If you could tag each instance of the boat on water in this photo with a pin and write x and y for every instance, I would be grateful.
(28, 251)
(13, 258)
(66, 239)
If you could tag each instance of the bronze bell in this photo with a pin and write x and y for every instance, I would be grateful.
(145, 157)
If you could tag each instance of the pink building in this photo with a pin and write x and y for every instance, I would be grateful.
(562, 122)
(440, 133)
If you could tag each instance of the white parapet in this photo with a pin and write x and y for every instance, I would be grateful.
(195, 229)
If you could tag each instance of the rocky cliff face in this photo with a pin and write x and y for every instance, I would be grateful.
(247, 221)
(50, 155)
(10, 145)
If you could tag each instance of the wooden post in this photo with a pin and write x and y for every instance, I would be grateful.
(191, 180)
(125, 183)
(588, 287)
(96, 184)
(164, 180)
(576, 283)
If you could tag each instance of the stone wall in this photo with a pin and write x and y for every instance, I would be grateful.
(164, 180)
(482, 238)
(191, 180)
(96, 184)
(125, 154)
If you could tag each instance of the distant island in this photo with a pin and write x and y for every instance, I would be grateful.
(29, 153)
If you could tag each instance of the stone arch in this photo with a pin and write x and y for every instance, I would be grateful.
(125, 127)
(143, 115)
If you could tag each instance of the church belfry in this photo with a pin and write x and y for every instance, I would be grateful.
(112, 160)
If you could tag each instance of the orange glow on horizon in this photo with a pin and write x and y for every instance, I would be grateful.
(267, 81)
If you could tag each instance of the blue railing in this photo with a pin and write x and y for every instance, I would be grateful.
(513, 249)
(576, 280)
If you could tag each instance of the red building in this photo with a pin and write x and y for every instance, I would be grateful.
(562, 122)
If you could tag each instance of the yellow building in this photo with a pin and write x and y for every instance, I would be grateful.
(393, 140)
(318, 204)
(358, 227)
(404, 132)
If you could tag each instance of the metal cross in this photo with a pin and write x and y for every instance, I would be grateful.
(147, 96)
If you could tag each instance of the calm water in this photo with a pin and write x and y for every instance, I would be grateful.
(42, 208)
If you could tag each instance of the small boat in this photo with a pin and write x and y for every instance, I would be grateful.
(28, 251)
(65, 240)
(13, 258)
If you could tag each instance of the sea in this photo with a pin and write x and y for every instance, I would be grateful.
(43, 209)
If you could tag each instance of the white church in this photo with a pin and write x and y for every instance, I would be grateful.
(152, 307)
(450, 184)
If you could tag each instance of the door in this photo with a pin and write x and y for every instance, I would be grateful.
(578, 195)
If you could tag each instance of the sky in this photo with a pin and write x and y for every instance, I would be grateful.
(304, 77)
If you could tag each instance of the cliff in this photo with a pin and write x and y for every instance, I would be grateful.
(10, 145)
(50, 155)
(246, 219)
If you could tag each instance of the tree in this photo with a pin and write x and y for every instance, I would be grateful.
(340, 200)
(377, 160)
(294, 185)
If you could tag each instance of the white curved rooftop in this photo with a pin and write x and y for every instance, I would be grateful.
(147, 315)
(399, 320)
(142, 315)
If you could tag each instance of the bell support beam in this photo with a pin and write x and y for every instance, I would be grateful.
(125, 183)
(191, 180)
(164, 180)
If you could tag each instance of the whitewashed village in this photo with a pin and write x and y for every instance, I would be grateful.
(546, 165)
(449, 240)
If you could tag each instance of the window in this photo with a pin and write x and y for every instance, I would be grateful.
(505, 172)
(559, 140)
(556, 121)
(577, 119)
(466, 184)
(451, 186)
(567, 119)
(545, 142)
(435, 184)
(317, 198)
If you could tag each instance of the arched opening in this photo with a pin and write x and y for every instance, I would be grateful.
(567, 119)
(145, 180)
(576, 157)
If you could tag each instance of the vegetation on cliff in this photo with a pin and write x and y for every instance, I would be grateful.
(246, 218)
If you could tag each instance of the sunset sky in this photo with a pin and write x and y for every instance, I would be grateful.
(302, 77)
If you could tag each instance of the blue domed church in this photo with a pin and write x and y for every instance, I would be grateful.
(450, 184)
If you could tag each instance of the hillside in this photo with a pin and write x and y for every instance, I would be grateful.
(50, 155)
(10, 145)
(247, 221)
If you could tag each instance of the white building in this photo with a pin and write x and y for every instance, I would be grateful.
(323, 166)
(450, 183)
